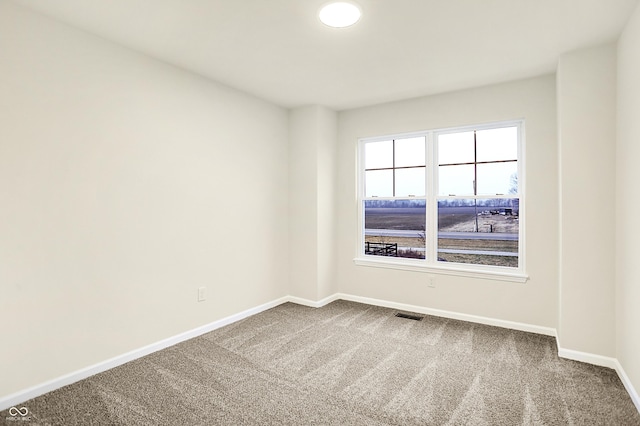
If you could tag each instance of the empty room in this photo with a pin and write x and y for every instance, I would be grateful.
(300, 212)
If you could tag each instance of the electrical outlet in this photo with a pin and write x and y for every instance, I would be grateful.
(431, 281)
(202, 294)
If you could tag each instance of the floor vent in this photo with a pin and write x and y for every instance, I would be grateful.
(409, 316)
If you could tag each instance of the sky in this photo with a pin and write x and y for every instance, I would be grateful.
(493, 179)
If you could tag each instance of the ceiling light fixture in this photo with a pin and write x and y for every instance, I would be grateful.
(340, 14)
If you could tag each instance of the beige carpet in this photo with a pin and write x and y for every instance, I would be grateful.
(345, 364)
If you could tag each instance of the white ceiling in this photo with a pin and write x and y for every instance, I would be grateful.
(278, 50)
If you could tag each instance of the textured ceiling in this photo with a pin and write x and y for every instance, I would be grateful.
(278, 50)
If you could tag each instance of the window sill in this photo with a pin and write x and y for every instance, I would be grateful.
(458, 270)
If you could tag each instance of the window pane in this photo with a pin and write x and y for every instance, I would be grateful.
(455, 148)
(498, 178)
(497, 144)
(378, 155)
(480, 232)
(410, 152)
(410, 182)
(379, 183)
(455, 180)
(395, 228)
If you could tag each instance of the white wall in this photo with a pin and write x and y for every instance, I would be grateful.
(312, 153)
(586, 93)
(327, 221)
(126, 184)
(534, 302)
(303, 202)
(628, 203)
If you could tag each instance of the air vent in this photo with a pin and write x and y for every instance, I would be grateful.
(409, 316)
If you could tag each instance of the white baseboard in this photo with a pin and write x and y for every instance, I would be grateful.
(311, 303)
(547, 331)
(35, 391)
(602, 361)
(627, 385)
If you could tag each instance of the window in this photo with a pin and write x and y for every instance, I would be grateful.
(448, 200)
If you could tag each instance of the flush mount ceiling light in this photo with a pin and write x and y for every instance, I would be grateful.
(340, 14)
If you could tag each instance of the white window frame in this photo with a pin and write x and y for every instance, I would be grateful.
(430, 263)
